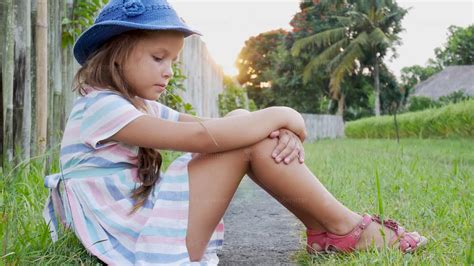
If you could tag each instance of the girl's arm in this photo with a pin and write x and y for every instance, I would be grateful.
(190, 118)
(209, 136)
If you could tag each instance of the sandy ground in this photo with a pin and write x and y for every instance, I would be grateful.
(259, 230)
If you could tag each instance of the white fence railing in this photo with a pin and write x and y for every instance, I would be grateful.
(323, 126)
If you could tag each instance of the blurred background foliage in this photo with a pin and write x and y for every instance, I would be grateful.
(273, 75)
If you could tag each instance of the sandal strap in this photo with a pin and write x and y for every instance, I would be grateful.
(406, 240)
(315, 236)
(347, 243)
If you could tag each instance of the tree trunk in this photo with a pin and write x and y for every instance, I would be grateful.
(42, 74)
(377, 88)
(8, 63)
(22, 80)
(341, 104)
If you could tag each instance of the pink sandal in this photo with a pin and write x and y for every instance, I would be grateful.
(346, 243)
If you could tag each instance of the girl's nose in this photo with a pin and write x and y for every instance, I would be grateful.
(168, 73)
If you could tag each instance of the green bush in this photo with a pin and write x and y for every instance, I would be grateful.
(171, 97)
(418, 103)
(234, 97)
(455, 120)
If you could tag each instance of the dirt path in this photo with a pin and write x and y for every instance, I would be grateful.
(258, 229)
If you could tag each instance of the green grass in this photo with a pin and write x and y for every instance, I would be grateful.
(25, 235)
(427, 185)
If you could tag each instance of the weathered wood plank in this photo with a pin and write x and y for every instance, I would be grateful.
(8, 68)
(205, 79)
(2, 42)
(42, 74)
(22, 79)
(55, 81)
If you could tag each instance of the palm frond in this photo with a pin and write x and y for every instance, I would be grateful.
(346, 65)
(390, 16)
(321, 39)
(346, 21)
(314, 64)
(378, 37)
(360, 19)
(326, 56)
(359, 42)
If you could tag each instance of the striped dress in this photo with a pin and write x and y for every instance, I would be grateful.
(92, 195)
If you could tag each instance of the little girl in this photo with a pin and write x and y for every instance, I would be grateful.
(111, 191)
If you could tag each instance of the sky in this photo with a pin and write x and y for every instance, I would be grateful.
(227, 24)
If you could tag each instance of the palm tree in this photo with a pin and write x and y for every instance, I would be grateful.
(365, 33)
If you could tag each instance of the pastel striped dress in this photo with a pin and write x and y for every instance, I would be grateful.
(92, 196)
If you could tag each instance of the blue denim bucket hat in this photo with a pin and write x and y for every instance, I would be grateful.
(119, 16)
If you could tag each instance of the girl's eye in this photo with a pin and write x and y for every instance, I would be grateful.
(157, 59)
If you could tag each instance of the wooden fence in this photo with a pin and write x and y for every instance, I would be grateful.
(19, 118)
(20, 32)
(205, 79)
(323, 126)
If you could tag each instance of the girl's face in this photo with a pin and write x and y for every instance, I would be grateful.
(148, 68)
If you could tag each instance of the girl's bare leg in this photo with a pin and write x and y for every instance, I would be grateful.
(210, 194)
(213, 180)
(296, 187)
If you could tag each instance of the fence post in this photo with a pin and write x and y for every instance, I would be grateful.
(55, 91)
(8, 63)
(22, 80)
(42, 74)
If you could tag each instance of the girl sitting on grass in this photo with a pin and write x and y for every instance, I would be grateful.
(125, 210)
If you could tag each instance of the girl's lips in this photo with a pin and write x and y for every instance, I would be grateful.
(160, 87)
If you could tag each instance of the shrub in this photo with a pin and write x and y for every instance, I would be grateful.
(234, 97)
(418, 103)
(455, 120)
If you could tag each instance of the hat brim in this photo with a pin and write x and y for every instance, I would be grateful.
(99, 33)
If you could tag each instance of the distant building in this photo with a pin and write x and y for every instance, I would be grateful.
(451, 79)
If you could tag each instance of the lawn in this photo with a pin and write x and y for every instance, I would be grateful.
(427, 185)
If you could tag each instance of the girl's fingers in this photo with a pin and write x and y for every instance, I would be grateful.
(292, 156)
(301, 155)
(288, 150)
(275, 134)
(282, 143)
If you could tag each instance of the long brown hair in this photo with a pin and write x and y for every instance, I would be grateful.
(102, 71)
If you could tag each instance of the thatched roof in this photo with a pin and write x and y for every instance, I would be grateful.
(451, 79)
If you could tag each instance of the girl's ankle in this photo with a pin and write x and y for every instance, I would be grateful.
(344, 225)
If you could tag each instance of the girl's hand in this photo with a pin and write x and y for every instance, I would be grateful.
(289, 146)
(294, 122)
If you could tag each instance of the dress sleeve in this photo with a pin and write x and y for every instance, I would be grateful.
(164, 112)
(105, 115)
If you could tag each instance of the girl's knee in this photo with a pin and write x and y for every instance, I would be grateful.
(195, 252)
(264, 148)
